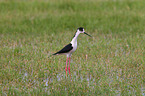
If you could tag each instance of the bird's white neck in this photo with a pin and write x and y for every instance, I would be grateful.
(74, 40)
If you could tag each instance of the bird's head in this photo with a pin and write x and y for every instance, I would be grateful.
(81, 30)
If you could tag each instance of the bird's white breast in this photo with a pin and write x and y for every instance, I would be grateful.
(74, 46)
(74, 42)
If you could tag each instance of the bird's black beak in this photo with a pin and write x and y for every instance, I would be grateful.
(87, 34)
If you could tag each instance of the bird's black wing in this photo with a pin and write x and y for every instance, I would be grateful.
(66, 49)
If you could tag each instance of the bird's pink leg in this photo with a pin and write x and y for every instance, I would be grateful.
(69, 65)
(66, 66)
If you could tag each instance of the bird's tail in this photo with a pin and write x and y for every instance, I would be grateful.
(51, 55)
(55, 53)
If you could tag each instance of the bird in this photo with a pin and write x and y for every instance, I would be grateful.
(71, 47)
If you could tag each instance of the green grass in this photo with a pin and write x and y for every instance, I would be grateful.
(111, 63)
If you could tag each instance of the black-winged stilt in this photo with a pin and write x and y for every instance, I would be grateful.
(71, 47)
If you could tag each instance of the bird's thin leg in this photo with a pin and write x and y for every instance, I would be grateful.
(66, 66)
(69, 65)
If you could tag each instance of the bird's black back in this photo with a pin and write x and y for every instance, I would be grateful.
(66, 49)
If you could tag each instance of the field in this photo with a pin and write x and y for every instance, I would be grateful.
(110, 63)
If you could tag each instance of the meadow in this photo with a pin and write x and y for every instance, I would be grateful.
(110, 63)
